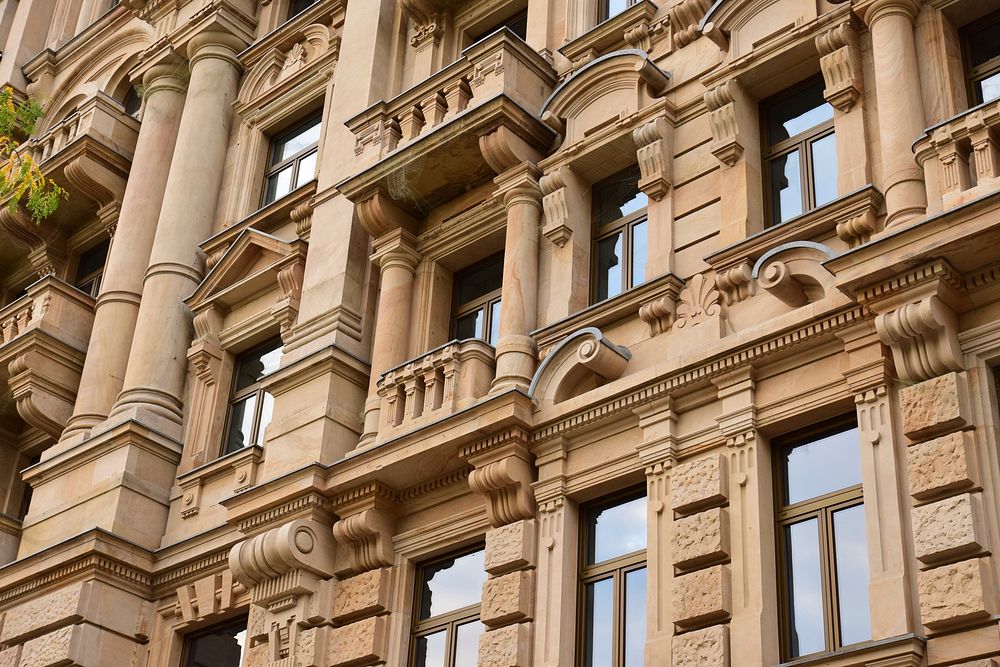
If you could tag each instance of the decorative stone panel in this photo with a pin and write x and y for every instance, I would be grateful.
(509, 646)
(948, 528)
(699, 484)
(934, 406)
(953, 594)
(364, 594)
(702, 597)
(358, 643)
(510, 547)
(507, 598)
(708, 647)
(941, 466)
(701, 539)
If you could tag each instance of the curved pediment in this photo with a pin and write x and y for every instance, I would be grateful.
(583, 361)
(751, 23)
(794, 272)
(611, 87)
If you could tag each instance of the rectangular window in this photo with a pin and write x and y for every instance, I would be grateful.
(251, 405)
(518, 24)
(800, 152)
(293, 159)
(219, 646)
(446, 627)
(982, 58)
(296, 7)
(823, 549)
(609, 8)
(476, 296)
(621, 243)
(613, 583)
(90, 269)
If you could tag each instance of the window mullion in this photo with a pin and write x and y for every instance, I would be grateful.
(829, 607)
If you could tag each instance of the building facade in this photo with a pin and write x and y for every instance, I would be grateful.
(556, 333)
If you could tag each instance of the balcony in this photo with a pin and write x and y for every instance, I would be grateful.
(443, 381)
(424, 143)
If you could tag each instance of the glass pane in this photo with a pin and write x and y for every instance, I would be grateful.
(851, 546)
(278, 185)
(824, 165)
(92, 261)
(519, 25)
(617, 196)
(479, 280)
(296, 7)
(609, 267)
(430, 650)
(598, 639)
(635, 617)
(266, 412)
(307, 170)
(805, 589)
(786, 187)
(218, 648)
(983, 43)
(297, 141)
(989, 88)
(257, 364)
(822, 466)
(798, 113)
(452, 584)
(640, 252)
(240, 424)
(467, 644)
(617, 530)
(469, 326)
(494, 323)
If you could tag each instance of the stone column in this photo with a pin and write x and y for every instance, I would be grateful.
(397, 257)
(118, 303)
(157, 366)
(900, 107)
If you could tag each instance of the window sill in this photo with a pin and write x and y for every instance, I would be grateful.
(241, 465)
(609, 35)
(865, 653)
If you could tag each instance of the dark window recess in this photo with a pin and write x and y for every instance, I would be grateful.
(251, 405)
(621, 234)
(476, 310)
(296, 7)
(446, 629)
(222, 646)
(982, 58)
(132, 102)
(27, 491)
(517, 24)
(90, 269)
(293, 159)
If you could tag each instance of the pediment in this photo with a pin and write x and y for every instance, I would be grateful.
(753, 23)
(288, 62)
(584, 360)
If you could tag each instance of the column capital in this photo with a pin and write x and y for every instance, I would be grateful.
(520, 185)
(397, 248)
(215, 43)
(880, 9)
(164, 70)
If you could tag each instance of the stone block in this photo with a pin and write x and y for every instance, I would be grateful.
(509, 646)
(699, 484)
(702, 597)
(55, 648)
(953, 594)
(365, 594)
(507, 598)
(708, 647)
(941, 466)
(510, 547)
(934, 407)
(45, 612)
(358, 643)
(701, 538)
(10, 657)
(948, 528)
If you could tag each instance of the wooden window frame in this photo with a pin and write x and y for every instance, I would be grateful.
(257, 389)
(609, 229)
(975, 74)
(822, 508)
(484, 302)
(449, 621)
(801, 142)
(96, 277)
(295, 159)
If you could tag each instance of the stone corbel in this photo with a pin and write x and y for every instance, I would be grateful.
(794, 272)
(654, 155)
(379, 214)
(95, 181)
(735, 282)
(46, 245)
(302, 218)
(207, 363)
(841, 64)
(660, 313)
(429, 21)
(556, 205)
(365, 529)
(503, 473)
(727, 139)
(684, 19)
(286, 309)
(503, 149)
(44, 388)
(858, 229)
(207, 598)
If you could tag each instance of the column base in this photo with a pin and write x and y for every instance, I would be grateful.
(373, 413)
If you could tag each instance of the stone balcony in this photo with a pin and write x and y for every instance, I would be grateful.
(443, 381)
(424, 143)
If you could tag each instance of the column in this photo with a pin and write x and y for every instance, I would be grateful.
(157, 366)
(118, 303)
(397, 258)
(900, 107)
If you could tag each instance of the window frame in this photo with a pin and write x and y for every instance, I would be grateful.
(975, 74)
(242, 620)
(602, 231)
(257, 389)
(96, 277)
(291, 13)
(604, 9)
(295, 160)
(822, 508)
(484, 302)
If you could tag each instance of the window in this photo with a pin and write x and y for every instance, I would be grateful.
(609, 8)
(613, 584)
(621, 234)
(823, 551)
(251, 404)
(446, 626)
(90, 269)
(982, 59)
(27, 491)
(293, 159)
(296, 7)
(477, 300)
(220, 646)
(132, 102)
(800, 152)
(518, 24)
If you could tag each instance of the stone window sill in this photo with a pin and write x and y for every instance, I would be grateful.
(241, 465)
(865, 653)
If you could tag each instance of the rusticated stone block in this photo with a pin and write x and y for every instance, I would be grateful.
(701, 538)
(708, 647)
(10, 657)
(986, 662)
(934, 406)
(54, 648)
(507, 599)
(699, 484)
(948, 528)
(509, 646)
(702, 597)
(60, 607)
(358, 643)
(941, 466)
(953, 594)
(365, 594)
(510, 547)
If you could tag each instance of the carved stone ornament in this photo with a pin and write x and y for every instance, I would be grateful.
(794, 272)
(841, 64)
(660, 312)
(502, 473)
(735, 283)
(586, 352)
(684, 17)
(553, 186)
(654, 155)
(317, 42)
(727, 144)
(699, 302)
(365, 529)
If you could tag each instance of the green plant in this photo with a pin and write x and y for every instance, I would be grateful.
(21, 179)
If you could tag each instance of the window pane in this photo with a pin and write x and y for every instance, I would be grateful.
(92, 261)
(798, 113)
(640, 252)
(298, 6)
(240, 424)
(430, 650)
(851, 545)
(983, 44)
(989, 88)
(469, 326)
(467, 644)
(617, 530)
(824, 164)
(635, 617)
(822, 466)
(519, 25)
(786, 187)
(307, 170)
(609, 267)
(278, 185)
(479, 280)
(494, 323)
(219, 648)
(805, 589)
(255, 365)
(599, 629)
(266, 412)
(617, 196)
(303, 138)
(452, 584)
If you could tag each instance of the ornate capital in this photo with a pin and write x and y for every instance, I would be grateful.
(503, 474)
(396, 249)
(519, 187)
